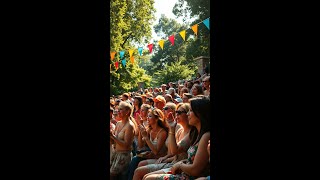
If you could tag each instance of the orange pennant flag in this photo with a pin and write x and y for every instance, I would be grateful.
(132, 59)
(195, 29)
(183, 34)
(131, 52)
(112, 55)
(161, 42)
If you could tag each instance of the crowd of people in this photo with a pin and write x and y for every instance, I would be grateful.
(161, 132)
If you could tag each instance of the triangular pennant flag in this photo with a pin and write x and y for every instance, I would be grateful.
(161, 42)
(183, 34)
(110, 67)
(195, 29)
(112, 55)
(171, 39)
(206, 22)
(116, 64)
(130, 52)
(150, 46)
(124, 63)
(140, 50)
(121, 54)
(132, 59)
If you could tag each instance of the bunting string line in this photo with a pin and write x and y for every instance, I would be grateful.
(161, 42)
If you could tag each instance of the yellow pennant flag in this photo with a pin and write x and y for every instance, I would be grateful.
(183, 34)
(112, 55)
(110, 67)
(131, 52)
(195, 29)
(132, 59)
(161, 42)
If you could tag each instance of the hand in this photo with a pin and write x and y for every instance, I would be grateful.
(175, 169)
(173, 123)
(140, 119)
(160, 160)
(143, 131)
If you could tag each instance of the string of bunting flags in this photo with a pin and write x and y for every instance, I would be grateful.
(161, 42)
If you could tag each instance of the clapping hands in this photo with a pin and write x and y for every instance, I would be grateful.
(173, 122)
(143, 131)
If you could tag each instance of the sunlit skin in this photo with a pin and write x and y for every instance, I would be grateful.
(185, 99)
(181, 117)
(159, 104)
(167, 114)
(194, 120)
(144, 99)
(194, 91)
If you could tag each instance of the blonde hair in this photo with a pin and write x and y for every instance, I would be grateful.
(128, 106)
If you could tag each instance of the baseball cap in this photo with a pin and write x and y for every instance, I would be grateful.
(159, 99)
(179, 100)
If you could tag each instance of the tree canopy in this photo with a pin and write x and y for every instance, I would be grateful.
(130, 24)
(131, 27)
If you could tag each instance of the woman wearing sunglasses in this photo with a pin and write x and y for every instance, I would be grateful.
(177, 145)
(197, 163)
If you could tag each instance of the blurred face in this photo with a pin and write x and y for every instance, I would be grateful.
(122, 112)
(116, 116)
(124, 98)
(167, 98)
(144, 112)
(167, 111)
(185, 99)
(144, 99)
(194, 91)
(193, 119)
(159, 104)
(189, 85)
(136, 102)
(151, 119)
(181, 115)
(206, 82)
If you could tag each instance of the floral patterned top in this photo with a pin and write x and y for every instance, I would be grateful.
(191, 155)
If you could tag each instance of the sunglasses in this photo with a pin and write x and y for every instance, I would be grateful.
(180, 112)
(205, 81)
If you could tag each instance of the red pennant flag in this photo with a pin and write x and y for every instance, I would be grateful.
(116, 64)
(150, 46)
(171, 39)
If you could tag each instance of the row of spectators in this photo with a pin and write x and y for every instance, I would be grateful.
(161, 133)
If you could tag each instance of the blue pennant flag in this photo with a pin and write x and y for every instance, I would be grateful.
(121, 54)
(206, 22)
(140, 50)
(124, 63)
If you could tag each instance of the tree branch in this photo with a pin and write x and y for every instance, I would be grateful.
(125, 40)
